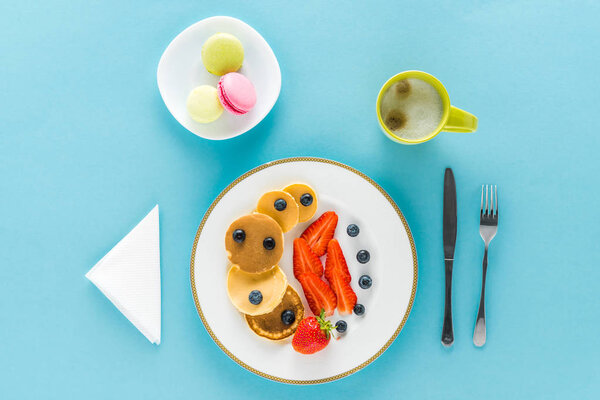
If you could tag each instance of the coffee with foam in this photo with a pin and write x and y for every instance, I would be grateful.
(412, 109)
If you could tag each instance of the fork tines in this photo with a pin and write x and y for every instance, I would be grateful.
(491, 201)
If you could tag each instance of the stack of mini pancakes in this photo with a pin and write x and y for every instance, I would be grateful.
(256, 285)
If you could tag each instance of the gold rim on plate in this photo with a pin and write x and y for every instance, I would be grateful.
(343, 374)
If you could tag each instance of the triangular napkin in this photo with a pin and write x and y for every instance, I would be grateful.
(129, 275)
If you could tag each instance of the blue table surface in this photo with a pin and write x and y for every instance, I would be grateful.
(87, 148)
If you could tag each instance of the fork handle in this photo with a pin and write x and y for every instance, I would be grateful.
(447, 329)
(479, 333)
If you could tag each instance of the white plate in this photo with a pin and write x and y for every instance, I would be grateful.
(180, 70)
(383, 232)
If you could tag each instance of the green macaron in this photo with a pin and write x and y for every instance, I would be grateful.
(222, 53)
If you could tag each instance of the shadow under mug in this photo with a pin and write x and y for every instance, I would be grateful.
(453, 119)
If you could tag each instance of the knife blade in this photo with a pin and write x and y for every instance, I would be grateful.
(449, 234)
(449, 214)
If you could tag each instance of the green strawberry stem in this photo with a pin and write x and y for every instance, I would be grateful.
(326, 326)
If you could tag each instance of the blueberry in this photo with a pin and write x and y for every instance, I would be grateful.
(280, 204)
(306, 199)
(288, 317)
(359, 309)
(269, 243)
(363, 256)
(365, 281)
(239, 235)
(341, 326)
(255, 297)
(352, 230)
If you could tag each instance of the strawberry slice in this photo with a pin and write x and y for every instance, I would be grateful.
(338, 276)
(346, 298)
(318, 294)
(320, 232)
(305, 260)
(336, 260)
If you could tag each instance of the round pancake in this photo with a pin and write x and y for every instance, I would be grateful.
(270, 325)
(251, 255)
(286, 218)
(297, 190)
(272, 284)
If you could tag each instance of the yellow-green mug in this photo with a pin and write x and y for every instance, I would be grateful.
(453, 119)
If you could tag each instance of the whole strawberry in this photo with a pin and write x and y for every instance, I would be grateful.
(312, 335)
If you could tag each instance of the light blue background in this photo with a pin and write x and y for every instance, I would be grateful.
(87, 148)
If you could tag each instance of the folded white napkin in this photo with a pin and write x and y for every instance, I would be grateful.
(129, 275)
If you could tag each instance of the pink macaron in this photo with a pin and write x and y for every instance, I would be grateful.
(236, 93)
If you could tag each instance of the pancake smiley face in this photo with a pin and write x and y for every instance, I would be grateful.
(254, 243)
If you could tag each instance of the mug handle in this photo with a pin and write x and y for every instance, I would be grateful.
(460, 121)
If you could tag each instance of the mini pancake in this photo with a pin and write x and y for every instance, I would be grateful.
(280, 206)
(306, 198)
(272, 285)
(252, 253)
(270, 325)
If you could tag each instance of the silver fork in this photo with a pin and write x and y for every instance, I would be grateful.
(488, 226)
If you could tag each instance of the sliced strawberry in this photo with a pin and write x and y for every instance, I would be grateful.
(336, 260)
(320, 232)
(338, 276)
(346, 298)
(305, 260)
(318, 294)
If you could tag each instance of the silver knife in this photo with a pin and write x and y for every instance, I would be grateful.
(449, 243)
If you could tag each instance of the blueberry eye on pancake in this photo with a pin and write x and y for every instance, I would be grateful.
(280, 204)
(288, 317)
(269, 243)
(247, 245)
(239, 235)
(306, 198)
(255, 297)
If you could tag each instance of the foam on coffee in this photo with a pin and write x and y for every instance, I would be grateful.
(412, 108)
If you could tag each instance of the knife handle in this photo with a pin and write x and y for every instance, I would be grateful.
(447, 329)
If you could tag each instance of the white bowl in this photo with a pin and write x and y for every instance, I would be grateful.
(180, 70)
